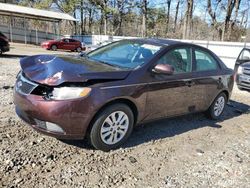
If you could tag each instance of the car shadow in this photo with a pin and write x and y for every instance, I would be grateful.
(170, 127)
(12, 56)
(174, 126)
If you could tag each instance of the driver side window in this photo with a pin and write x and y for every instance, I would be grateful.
(180, 59)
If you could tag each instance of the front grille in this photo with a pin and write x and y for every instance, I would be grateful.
(24, 86)
(246, 71)
(245, 83)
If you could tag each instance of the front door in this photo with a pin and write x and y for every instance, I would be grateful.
(243, 58)
(67, 45)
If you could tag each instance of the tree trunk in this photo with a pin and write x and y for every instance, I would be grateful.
(81, 12)
(230, 6)
(176, 14)
(105, 25)
(75, 26)
(188, 20)
(90, 21)
(144, 18)
(234, 22)
(168, 13)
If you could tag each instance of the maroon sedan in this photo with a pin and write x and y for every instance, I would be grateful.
(105, 93)
(63, 44)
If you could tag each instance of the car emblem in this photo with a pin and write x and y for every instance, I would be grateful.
(19, 84)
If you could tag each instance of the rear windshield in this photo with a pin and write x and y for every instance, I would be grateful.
(2, 35)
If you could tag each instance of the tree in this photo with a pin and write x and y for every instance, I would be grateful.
(144, 8)
(229, 10)
(176, 14)
(227, 19)
(213, 16)
(168, 15)
(188, 19)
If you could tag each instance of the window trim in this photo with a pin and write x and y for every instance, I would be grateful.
(176, 48)
(208, 52)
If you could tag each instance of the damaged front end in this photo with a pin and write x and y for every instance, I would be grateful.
(58, 96)
(25, 86)
(61, 111)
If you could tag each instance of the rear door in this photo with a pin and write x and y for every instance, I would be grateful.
(73, 44)
(169, 95)
(207, 77)
(62, 44)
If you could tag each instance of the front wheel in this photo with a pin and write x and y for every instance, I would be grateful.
(112, 127)
(217, 107)
(54, 47)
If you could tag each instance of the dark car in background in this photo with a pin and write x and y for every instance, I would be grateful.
(105, 93)
(4, 43)
(242, 69)
(64, 44)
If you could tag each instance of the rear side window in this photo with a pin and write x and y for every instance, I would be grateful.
(179, 58)
(65, 40)
(204, 61)
(245, 55)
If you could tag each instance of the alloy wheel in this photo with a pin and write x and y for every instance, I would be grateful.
(219, 106)
(114, 127)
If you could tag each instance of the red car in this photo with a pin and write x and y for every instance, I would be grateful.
(64, 44)
(4, 43)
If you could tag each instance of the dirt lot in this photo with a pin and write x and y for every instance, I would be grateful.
(189, 151)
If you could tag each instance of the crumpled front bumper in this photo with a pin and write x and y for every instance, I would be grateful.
(72, 116)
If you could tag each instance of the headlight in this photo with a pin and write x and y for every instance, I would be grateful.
(63, 93)
(240, 70)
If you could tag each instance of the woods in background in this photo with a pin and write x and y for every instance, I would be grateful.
(225, 20)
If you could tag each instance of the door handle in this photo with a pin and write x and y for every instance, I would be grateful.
(190, 83)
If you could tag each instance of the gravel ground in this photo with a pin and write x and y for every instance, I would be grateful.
(189, 151)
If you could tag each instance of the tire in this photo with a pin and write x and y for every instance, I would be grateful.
(103, 135)
(53, 47)
(240, 88)
(78, 49)
(217, 107)
(1, 52)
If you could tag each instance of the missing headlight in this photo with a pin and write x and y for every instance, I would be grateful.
(42, 91)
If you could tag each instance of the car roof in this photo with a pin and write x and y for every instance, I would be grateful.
(157, 41)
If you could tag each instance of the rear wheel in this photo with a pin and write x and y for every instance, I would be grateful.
(54, 47)
(1, 52)
(112, 127)
(79, 49)
(217, 107)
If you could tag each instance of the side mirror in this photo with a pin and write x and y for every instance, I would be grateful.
(164, 69)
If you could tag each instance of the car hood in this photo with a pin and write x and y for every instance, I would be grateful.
(56, 69)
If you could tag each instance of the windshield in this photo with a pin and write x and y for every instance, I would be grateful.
(124, 54)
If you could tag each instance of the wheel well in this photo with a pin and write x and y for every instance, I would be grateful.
(129, 103)
(226, 93)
